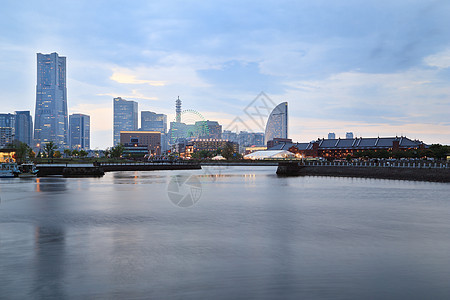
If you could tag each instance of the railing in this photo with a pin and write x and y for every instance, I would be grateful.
(417, 165)
(150, 163)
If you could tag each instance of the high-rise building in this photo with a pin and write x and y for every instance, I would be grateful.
(331, 136)
(349, 135)
(24, 127)
(51, 121)
(80, 132)
(230, 136)
(247, 139)
(7, 123)
(208, 129)
(277, 123)
(152, 121)
(125, 117)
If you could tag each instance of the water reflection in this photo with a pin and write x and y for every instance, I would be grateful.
(51, 184)
(49, 263)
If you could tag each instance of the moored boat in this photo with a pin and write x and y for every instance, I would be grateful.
(8, 170)
(27, 170)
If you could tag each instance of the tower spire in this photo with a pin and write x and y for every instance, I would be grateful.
(178, 110)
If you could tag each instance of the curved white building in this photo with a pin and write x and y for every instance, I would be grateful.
(277, 123)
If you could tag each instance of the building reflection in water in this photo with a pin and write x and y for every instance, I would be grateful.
(50, 262)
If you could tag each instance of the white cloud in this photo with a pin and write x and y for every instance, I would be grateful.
(439, 60)
(123, 76)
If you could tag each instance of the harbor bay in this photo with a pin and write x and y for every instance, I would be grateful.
(248, 234)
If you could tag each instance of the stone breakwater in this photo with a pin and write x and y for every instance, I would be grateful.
(417, 174)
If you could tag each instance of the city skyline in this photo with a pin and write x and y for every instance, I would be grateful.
(340, 66)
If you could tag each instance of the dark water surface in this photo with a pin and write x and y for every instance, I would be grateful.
(250, 235)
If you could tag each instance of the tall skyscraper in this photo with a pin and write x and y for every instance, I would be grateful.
(277, 123)
(349, 135)
(51, 121)
(80, 132)
(152, 121)
(6, 129)
(24, 127)
(125, 117)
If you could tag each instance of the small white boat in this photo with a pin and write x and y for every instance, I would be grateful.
(8, 170)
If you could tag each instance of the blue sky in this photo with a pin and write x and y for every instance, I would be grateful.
(376, 68)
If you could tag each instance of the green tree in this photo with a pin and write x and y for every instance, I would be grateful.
(228, 151)
(22, 150)
(67, 152)
(117, 151)
(439, 151)
(83, 153)
(31, 153)
(49, 149)
(107, 152)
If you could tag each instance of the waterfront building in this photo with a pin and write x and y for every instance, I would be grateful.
(276, 141)
(252, 149)
(125, 117)
(24, 127)
(151, 121)
(331, 135)
(140, 143)
(7, 129)
(277, 123)
(341, 148)
(51, 119)
(79, 128)
(212, 145)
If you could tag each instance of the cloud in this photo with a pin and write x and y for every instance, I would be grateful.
(440, 60)
(121, 77)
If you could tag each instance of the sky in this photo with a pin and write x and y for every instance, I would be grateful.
(374, 68)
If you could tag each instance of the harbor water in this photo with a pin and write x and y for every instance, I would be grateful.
(223, 233)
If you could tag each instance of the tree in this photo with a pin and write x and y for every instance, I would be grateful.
(75, 153)
(21, 149)
(50, 148)
(107, 152)
(31, 153)
(439, 151)
(83, 153)
(117, 151)
(57, 154)
(67, 152)
(228, 151)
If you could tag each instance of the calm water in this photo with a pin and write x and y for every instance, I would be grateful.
(249, 234)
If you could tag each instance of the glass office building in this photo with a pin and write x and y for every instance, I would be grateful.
(51, 119)
(24, 127)
(80, 132)
(277, 123)
(125, 117)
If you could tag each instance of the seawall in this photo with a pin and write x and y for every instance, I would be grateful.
(417, 174)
